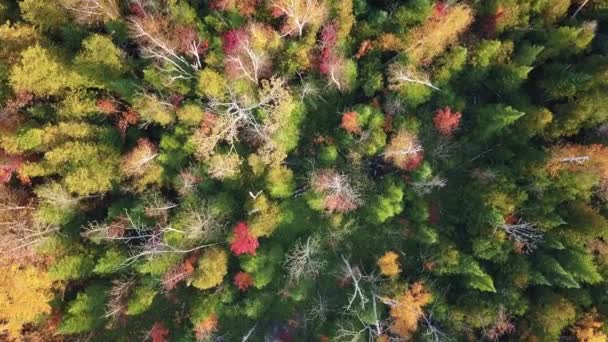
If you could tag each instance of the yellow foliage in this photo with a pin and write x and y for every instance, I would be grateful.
(389, 264)
(407, 310)
(212, 267)
(437, 34)
(24, 295)
(589, 329)
(266, 218)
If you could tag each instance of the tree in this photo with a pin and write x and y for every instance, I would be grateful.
(243, 241)
(211, 269)
(406, 309)
(158, 332)
(589, 328)
(93, 11)
(389, 264)
(425, 42)
(24, 295)
(85, 312)
(243, 281)
(336, 191)
(247, 52)
(446, 122)
(304, 260)
(404, 151)
(41, 73)
(350, 122)
(298, 14)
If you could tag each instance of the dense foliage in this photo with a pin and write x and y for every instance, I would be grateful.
(303, 170)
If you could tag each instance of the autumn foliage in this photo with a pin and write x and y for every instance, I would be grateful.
(407, 310)
(158, 333)
(389, 264)
(350, 123)
(243, 241)
(446, 121)
(243, 281)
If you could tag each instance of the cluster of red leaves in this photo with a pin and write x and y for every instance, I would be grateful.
(329, 57)
(126, 119)
(414, 162)
(8, 165)
(490, 23)
(232, 41)
(9, 117)
(158, 333)
(137, 10)
(350, 122)
(243, 281)
(107, 106)
(446, 121)
(340, 196)
(180, 272)
(205, 328)
(187, 38)
(244, 241)
(440, 9)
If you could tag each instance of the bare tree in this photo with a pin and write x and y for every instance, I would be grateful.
(236, 118)
(399, 75)
(426, 187)
(200, 223)
(524, 233)
(502, 325)
(339, 193)
(318, 310)
(93, 11)
(143, 241)
(298, 14)
(304, 260)
(117, 302)
(355, 276)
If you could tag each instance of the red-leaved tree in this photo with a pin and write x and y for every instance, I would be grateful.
(158, 333)
(244, 241)
(243, 281)
(350, 122)
(446, 121)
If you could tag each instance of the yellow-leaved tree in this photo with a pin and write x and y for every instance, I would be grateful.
(389, 264)
(24, 296)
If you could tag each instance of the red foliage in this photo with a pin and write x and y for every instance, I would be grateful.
(180, 272)
(329, 35)
(244, 241)
(446, 121)
(440, 9)
(9, 115)
(158, 333)
(243, 280)
(8, 165)
(349, 122)
(126, 119)
(490, 24)
(414, 162)
(511, 219)
(137, 10)
(107, 106)
(233, 40)
(205, 328)
(176, 99)
(189, 41)
(328, 61)
(209, 120)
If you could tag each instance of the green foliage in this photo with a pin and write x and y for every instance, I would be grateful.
(135, 139)
(85, 312)
(42, 73)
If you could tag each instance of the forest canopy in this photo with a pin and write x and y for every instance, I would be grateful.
(304, 170)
